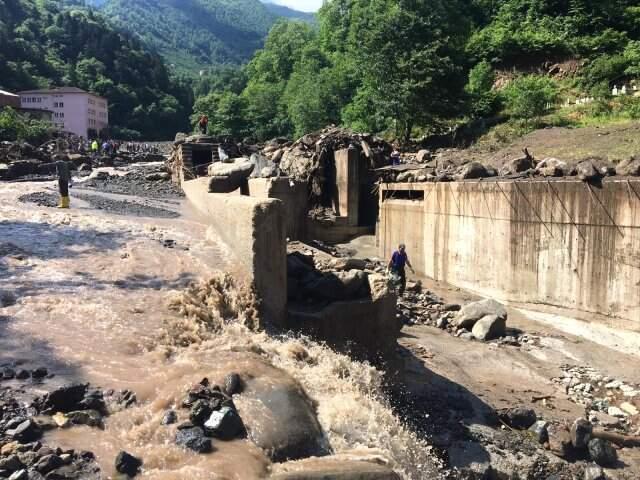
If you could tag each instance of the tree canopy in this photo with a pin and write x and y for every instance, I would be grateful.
(45, 44)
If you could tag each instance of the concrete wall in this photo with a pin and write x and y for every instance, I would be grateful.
(254, 230)
(294, 196)
(562, 243)
(348, 184)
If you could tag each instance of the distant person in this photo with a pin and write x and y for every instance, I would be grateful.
(105, 148)
(395, 158)
(203, 124)
(94, 147)
(64, 176)
(397, 264)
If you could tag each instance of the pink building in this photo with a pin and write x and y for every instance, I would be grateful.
(74, 110)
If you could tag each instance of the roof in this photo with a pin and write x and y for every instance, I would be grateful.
(7, 94)
(59, 90)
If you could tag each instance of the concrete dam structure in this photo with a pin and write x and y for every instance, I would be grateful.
(564, 243)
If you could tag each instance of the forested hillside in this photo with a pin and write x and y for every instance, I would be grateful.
(193, 35)
(43, 45)
(415, 68)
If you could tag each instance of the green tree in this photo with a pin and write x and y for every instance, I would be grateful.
(479, 88)
(528, 97)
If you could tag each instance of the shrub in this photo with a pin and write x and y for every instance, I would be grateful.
(14, 126)
(528, 97)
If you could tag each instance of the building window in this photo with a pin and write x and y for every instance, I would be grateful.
(61, 104)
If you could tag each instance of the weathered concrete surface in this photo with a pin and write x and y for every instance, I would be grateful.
(336, 467)
(367, 326)
(348, 184)
(563, 243)
(254, 230)
(294, 195)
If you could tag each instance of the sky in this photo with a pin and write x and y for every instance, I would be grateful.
(302, 5)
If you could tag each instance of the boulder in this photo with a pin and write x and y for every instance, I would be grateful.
(551, 167)
(602, 452)
(224, 424)
(228, 177)
(128, 464)
(520, 418)
(423, 156)
(20, 475)
(594, 472)
(64, 399)
(194, 439)
(472, 312)
(26, 431)
(539, 431)
(489, 327)
(48, 463)
(629, 167)
(581, 433)
(200, 412)
(232, 384)
(518, 165)
(90, 418)
(4, 171)
(472, 170)
(169, 418)
(587, 171)
(278, 415)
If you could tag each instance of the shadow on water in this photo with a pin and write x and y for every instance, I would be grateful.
(21, 241)
(24, 351)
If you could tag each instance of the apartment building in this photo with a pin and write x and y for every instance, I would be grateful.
(74, 110)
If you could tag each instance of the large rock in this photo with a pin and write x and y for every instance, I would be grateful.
(581, 433)
(423, 156)
(472, 312)
(228, 177)
(629, 167)
(473, 170)
(63, 399)
(520, 418)
(278, 415)
(194, 439)
(224, 424)
(128, 464)
(335, 467)
(517, 165)
(489, 327)
(551, 167)
(587, 171)
(602, 452)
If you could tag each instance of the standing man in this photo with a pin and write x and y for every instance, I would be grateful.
(64, 175)
(94, 147)
(203, 124)
(397, 263)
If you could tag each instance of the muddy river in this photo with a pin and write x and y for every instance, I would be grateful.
(93, 289)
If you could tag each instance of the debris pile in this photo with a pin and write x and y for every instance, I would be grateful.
(608, 402)
(423, 167)
(23, 423)
(24, 161)
(311, 158)
(212, 414)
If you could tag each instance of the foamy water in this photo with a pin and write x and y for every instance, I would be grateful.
(93, 304)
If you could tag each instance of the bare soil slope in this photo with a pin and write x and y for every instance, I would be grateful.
(611, 143)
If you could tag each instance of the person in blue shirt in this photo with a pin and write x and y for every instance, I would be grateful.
(397, 264)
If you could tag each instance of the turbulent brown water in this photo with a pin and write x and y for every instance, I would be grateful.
(93, 293)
